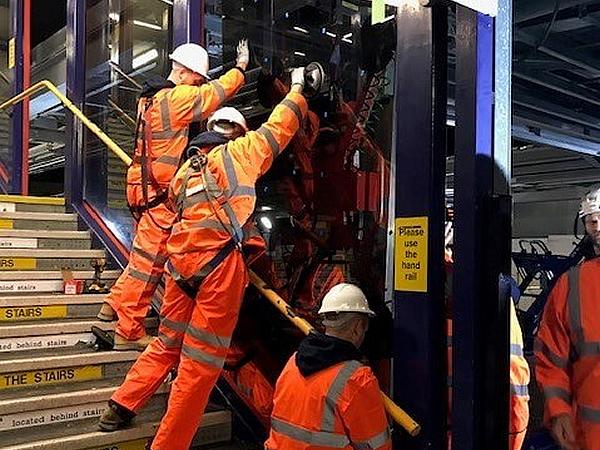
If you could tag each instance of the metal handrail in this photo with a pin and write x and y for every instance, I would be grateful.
(50, 87)
(397, 413)
(122, 114)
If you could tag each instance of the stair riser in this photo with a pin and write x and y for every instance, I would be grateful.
(66, 415)
(62, 244)
(24, 207)
(36, 313)
(20, 344)
(41, 286)
(26, 224)
(19, 263)
(28, 380)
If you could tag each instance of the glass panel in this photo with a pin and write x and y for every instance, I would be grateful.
(127, 41)
(6, 77)
(322, 207)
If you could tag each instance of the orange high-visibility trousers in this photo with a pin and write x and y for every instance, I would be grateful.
(132, 293)
(197, 333)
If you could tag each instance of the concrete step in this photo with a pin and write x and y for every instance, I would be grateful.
(45, 239)
(27, 370)
(19, 282)
(215, 428)
(26, 308)
(40, 259)
(51, 334)
(38, 221)
(13, 203)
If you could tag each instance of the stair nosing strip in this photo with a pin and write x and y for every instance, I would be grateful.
(52, 299)
(59, 361)
(54, 274)
(46, 216)
(50, 253)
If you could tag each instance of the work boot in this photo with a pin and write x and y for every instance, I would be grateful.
(115, 417)
(140, 344)
(107, 314)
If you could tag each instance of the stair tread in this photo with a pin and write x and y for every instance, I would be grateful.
(25, 215)
(55, 201)
(45, 234)
(17, 275)
(50, 253)
(50, 299)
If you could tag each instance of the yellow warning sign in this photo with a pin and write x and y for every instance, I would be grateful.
(139, 444)
(18, 263)
(411, 254)
(49, 376)
(6, 224)
(8, 314)
(12, 62)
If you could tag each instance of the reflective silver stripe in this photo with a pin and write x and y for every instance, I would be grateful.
(237, 228)
(334, 392)
(203, 357)
(558, 361)
(169, 134)
(375, 442)
(589, 414)
(197, 109)
(516, 350)
(590, 349)
(167, 159)
(195, 199)
(574, 304)
(520, 390)
(179, 327)
(212, 224)
(270, 139)
(170, 342)
(551, 392)
(321, 438)
(295, 108)
(165, 116)
(208, 338)
(248, 191)
(219, 89)
(229, 170)
(153, 279)
(157, 260)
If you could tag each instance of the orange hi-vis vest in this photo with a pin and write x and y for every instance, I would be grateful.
(519, 385)
(568, 351)
(162, 137)
(214, 201)
(338, 407)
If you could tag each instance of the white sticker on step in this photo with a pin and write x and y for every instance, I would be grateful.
(19, 344)
(48, 417)
(8, 207)
(18, 243)
(31, 286)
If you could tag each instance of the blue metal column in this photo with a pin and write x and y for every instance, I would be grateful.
(76, 39)
(419, 309)
(187, 20)
(482, 234)
(16, 127)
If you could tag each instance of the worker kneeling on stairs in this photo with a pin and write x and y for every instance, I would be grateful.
(213, 196)
(167, 111)
(325, 397)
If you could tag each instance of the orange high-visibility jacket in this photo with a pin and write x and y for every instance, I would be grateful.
(568, 351)
(228, 179)
(168, 118)
(519, 385)
(338, 407)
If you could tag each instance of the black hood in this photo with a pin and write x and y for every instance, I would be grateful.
(318, 351)
(207, 139)
(154, 84)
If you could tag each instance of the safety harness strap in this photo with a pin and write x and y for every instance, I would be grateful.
(191, 285)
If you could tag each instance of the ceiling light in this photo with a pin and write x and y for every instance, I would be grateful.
(299, 54)
(144, 58)
(168, 2)
(301, 30)
(152, 26)
(330, 34)
(348, 36)
(114, 16)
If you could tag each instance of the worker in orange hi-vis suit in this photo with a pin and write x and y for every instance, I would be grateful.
(325, 398)
(166, 110)
(568, 345)
(213, 197)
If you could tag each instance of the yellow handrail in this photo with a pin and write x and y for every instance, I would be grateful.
(47, 85)
(398, 414)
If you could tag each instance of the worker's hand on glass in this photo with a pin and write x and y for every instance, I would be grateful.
(297, 79)
(564, 433)
(243, 54)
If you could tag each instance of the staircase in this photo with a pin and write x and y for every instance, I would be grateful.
(53, 383)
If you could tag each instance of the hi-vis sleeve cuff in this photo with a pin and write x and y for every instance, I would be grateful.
(297, 104)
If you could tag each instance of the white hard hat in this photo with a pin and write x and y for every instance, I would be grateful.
(590, 203)
(193, 57)
(227, 114)
(345, 298)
